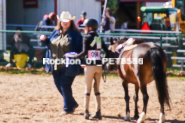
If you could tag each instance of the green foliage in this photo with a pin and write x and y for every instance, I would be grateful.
(174, 70)
(112, 4)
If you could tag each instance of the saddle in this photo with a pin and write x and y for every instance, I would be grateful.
(129, 44)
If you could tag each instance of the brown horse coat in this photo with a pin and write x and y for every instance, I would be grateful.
(153, 68)
(131, 69)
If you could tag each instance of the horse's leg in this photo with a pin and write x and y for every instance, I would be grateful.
(145, 100)
(162, 116)
(127, 98)
(136, 116)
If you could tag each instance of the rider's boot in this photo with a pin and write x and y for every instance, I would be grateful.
(86, 114)
(97, 115)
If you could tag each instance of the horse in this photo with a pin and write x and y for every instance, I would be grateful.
(153, 68)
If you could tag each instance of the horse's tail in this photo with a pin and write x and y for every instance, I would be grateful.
(159, 75)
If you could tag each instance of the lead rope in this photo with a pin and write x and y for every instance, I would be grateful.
(104, 73)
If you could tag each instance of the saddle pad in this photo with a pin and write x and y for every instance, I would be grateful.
(129, 47)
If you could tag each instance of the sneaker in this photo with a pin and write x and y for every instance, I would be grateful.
(29, 65)
(97, 115)
(9, 65)
(86, 114)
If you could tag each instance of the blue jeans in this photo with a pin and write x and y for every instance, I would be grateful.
(63, 84)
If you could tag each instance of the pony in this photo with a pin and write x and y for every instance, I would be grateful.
(153, 67)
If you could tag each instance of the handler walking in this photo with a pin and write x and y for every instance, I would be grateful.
(65, 38)
(92, 46)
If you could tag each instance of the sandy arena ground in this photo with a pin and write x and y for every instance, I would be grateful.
(34, 99)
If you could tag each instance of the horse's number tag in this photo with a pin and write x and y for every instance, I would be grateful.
(94, 55)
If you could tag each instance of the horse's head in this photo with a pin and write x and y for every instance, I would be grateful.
(112, 51)
(113, 46)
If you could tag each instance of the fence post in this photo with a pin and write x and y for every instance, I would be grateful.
(182, 65)
(161, 40)
(180, 41)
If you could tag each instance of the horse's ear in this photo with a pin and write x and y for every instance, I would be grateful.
(111, 41)
(115, 40)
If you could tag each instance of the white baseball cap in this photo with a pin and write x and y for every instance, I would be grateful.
(65, 17)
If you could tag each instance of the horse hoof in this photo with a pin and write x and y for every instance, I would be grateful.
(140, 121)
(162, 118)
(161, 121)
(142, 118)
(127, 117)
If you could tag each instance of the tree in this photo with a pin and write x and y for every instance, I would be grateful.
(113, 4)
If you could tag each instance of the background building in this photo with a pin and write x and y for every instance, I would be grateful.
(30, 12)
(92, 7)
(27, 13)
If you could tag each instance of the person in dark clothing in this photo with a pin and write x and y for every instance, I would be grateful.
(38, 27)
(92, 45)
(65, 38)
(20, 43)
(48, 21)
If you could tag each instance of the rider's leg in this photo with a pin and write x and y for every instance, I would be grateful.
(97, 79)
(89, 75)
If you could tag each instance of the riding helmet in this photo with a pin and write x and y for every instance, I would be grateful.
(91, 23)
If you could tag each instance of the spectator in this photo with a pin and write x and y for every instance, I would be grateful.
(83, 17)
(38, 27)
(109, 21)
(45, 16)
(125, 24)
(81, 21)
(165, 24)
(20, 43)
(48, 21)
